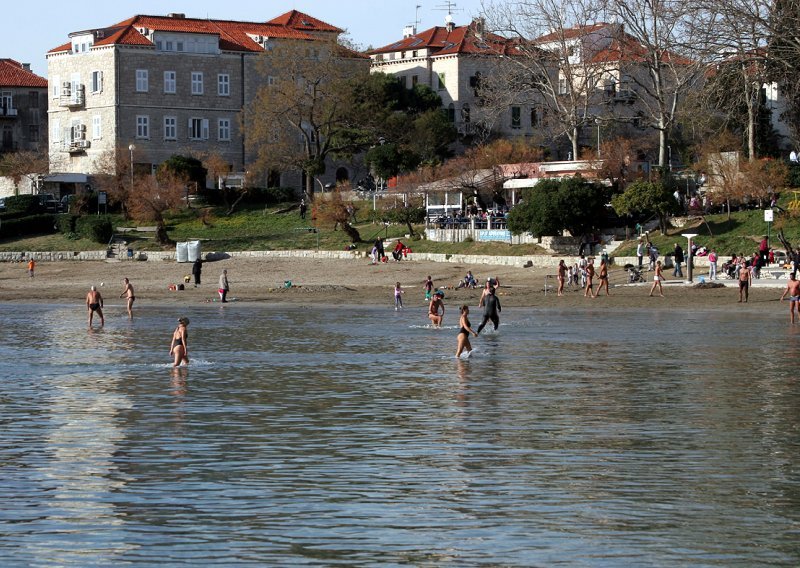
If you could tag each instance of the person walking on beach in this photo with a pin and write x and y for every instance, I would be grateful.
(178, 346)
(303, 208)
(94, 303)
(398, 297)
(379, 246)
(678, 259)
(127, 293)
(603, 276)
(224, 287)
(31, 267)
(712, 265)
(745, 278)
(197, 269)
(436, 310)
(793, 290)
(657, 278)
(491, 310)
(428, 285)
(640, 252)
(561, 276)
(463, 333)
(587, 293)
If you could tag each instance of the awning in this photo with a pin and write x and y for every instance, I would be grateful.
(66, 178)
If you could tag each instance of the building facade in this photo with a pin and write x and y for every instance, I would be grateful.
(154, 86)
(454, 61)
(23, 108)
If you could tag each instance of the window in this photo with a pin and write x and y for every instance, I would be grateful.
(536, 118)
(170, 82)
(271, 81)
(224, 127)
(33, 99)
(441, 81)
(414, 80)
(516, 117)
(451, 112)
(141, 81)
(563, 87)
(56, 87)
(6, 102)
(170, 128)
(97, 131)
(33, 133)
(142, 126)
(197, 83)
(466, 115)
(223, 84)
(97, 81)
(198, 129)
(55, 131)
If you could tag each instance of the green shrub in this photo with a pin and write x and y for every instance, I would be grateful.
(96, 228)
(30, 225)
(22, 206)
(66, 223)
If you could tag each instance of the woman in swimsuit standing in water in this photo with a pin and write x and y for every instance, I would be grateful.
(179, 347)
(463, 333)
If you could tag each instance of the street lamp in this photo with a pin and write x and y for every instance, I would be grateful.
(132, 148)
(689, 237)
(597, 122)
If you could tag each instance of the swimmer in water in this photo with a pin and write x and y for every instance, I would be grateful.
(463, 333)
(128, 293)
(434, 307)
(179, 348)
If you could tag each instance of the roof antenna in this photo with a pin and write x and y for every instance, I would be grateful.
(450, 7)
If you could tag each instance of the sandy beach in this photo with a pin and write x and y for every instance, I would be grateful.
(351, 282)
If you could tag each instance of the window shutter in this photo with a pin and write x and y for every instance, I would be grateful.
(205, 129)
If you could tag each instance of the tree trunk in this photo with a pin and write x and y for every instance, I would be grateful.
(351, 232)
(161, 233)
(410, 228)
(728, 206)
(574, 140)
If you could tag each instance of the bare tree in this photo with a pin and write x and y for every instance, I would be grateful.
(152, 196)
(550, 66)
(24, 164)
(300, 116)
(657, 56)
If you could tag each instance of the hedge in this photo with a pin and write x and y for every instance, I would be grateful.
(66, 223)
(18, 206)
(96, 228)
(43, 223)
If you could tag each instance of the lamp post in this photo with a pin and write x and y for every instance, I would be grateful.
(690, 265)
(132, 148)
(597, 122)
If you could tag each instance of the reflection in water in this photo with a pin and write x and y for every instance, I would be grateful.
(600, 438)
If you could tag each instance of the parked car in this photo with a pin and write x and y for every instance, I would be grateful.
(64, 204)
(49, 202)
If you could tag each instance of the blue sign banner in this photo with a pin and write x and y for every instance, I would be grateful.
(494, 235)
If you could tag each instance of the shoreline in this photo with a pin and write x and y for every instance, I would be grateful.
(337, 282)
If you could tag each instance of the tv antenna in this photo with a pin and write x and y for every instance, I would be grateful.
(416, 22)
(450, 7)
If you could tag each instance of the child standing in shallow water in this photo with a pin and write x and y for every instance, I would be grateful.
(398, 297)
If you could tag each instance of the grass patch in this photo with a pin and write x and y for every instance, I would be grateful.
(53, 242)
(741, 234)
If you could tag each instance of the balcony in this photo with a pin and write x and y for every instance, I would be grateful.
(8, 112)
(77, 146)
(72, 98)
(625, 96)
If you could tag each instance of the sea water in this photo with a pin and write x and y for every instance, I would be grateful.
(352, 436)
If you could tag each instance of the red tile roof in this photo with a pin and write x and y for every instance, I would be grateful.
(300, 21)
(571, 33)
(233, 35)
(13, 74)
(628, 50)
(461, 40)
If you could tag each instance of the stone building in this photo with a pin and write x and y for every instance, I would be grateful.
(150, 87)
(23, 108)
(453, 61)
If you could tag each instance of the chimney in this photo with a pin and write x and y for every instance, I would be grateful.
(449, 25)
(409, 31)
(177, 16)
(26, 66)
(479, 24)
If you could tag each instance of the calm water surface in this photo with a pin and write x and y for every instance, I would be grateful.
(314, 436)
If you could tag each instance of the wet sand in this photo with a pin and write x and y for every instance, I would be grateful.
(353, 282)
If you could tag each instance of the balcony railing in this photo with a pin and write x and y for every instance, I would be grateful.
(8, 112)
(76, 146)
(73, 98)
